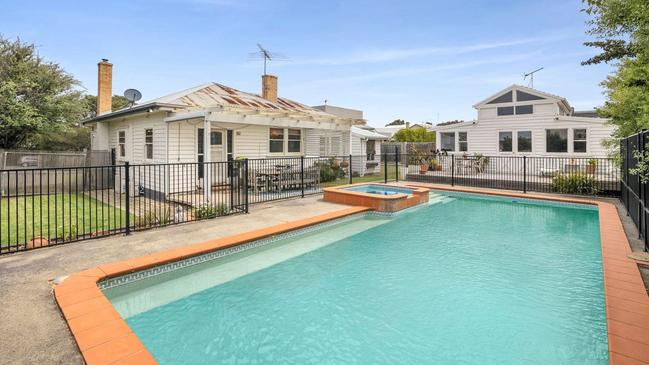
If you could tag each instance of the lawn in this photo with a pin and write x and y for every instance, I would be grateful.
(60, 216)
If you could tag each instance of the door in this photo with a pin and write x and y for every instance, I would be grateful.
(217, 152)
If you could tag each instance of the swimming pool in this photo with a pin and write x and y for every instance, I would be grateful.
(379, 189)
(465, 279)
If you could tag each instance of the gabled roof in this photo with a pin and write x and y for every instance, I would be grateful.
(527, 90)
(213, 95)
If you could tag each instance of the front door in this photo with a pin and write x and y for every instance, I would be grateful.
(217, 150)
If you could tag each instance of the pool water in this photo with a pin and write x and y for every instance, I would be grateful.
(463, 280)
(379, 189)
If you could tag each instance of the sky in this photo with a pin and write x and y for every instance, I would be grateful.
(421, 61)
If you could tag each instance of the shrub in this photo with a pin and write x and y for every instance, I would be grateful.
(210, 211)
(155, 218)
(574, 183)
(329, 170)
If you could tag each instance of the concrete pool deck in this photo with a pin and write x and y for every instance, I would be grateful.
(32, 328)
(30, 318)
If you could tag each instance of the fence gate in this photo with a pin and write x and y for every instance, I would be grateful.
(238, 185)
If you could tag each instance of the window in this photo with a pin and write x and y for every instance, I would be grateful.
(448, 141)
(504, 98)
(579, 140)
(294, 140)
(462, 141)
(121, 141)
(505, 110)
(276, 140)
(285, 140)
(148, 143)
(556, 140)
(524, 109)
(523, 96)
(216, 138)
(505, 141)
(524, 141)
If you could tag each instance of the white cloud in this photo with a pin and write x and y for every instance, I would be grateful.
(387, 55)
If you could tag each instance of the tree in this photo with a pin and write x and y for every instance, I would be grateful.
(622, 29)
(396, 122)
(414, 135)
(36, 96)
(90, 101)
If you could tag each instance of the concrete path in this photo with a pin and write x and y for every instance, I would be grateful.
(32, 330)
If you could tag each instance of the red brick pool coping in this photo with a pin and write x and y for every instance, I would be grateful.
(104, 337)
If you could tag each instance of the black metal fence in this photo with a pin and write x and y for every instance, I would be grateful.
(565, 175)
(633, 192)
(49, 206)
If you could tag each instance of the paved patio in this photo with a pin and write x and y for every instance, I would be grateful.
(31, 326)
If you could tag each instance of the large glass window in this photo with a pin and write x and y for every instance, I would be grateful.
(448, 141)
(148, 143)
(294, 140)
(505, 141)
(504, 98)
(556, 140)
(524, 109)
(579, 140)
(121, 141)
(276, 144)
(523, 96)
(505, 110)
(524, 141)
(462, 141)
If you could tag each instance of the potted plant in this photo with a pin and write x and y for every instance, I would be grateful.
(591, 166)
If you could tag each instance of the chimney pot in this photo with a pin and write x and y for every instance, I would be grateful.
(269, 87)
(104, 87)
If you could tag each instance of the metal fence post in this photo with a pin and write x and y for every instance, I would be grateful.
(127, 191)
(396, 162)
(302, 174)
(452, 170)
(350, 170)
(245, 184)
(524, 174)
(385, 167)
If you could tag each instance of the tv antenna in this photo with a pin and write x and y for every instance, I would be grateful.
(531, 75)
(132, 96)
(266, 55)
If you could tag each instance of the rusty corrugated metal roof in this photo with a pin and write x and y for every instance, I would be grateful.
(214, 94)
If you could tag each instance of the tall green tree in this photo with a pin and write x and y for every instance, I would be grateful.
(396, 122)
(414, 135)
(621, 29)
(36, 96)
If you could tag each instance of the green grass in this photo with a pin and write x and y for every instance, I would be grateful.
(378, 177)
(62, 216)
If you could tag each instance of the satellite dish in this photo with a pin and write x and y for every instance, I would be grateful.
(132, 95)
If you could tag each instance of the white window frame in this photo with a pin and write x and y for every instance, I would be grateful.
(585, 140)
(441, 143)
(466, 141)
(568, 138)
(531, 141)
(120, 155)
(513, 133)
(148, 145)
(285, 140)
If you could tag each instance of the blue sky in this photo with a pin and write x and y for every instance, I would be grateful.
(415, 60)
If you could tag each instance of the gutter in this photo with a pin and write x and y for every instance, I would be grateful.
(143, 108)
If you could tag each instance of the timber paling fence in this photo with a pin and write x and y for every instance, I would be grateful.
(49, 206)
(633, 192)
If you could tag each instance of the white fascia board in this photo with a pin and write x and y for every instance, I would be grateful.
(273, 121)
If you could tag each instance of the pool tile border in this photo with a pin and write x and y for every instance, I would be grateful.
(102, 336)
(627, 302)
(102, 339)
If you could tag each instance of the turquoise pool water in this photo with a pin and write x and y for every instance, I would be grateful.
(379, 189)
(463, 280)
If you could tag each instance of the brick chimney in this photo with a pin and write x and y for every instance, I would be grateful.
(269, 87)
(104, 87)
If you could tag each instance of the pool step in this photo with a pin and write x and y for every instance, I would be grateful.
(439, 199)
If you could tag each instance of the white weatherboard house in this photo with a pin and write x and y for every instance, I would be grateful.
(214, 122)
(522, 121)
(365, 141)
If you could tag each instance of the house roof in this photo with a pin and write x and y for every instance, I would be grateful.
(214, 94)
(367, 133)
(525, 89)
